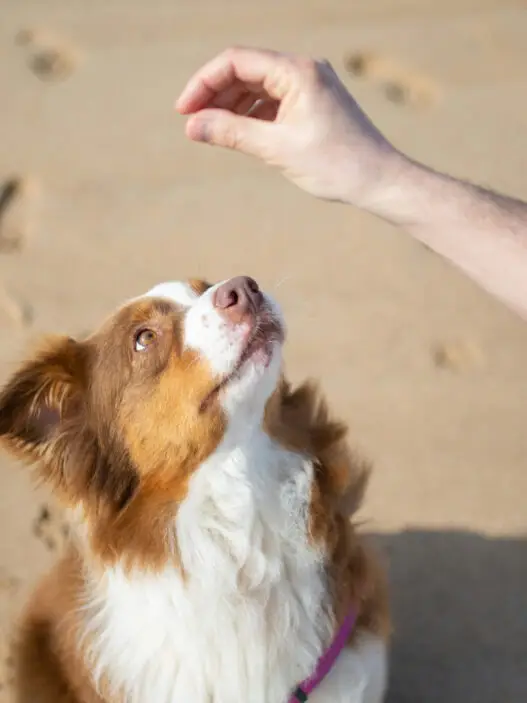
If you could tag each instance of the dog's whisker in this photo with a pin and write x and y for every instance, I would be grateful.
(282, 280)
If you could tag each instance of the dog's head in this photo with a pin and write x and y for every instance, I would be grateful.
(148, 397)
(120, 422)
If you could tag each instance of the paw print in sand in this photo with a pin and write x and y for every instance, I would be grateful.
(6, 668)
(50, 528)
(400, 83)
(50, 57)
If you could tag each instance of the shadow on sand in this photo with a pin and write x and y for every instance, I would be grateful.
(460, 609)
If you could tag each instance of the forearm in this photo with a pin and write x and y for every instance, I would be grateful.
(481, 232)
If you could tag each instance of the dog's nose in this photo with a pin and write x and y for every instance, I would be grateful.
(237, 297)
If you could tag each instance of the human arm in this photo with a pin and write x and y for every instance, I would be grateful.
(294, 113)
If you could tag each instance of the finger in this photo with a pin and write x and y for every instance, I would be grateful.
(269, 69)
(226, 129)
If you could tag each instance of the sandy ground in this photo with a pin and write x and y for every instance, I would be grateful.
(101, 197)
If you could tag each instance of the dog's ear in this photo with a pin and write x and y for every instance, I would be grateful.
(44, 421)
(43, 397)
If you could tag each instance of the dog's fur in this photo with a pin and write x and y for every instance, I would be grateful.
(213, 556)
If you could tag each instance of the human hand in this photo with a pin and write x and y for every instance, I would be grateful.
(294, 113)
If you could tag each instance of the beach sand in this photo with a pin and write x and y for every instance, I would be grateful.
(101, 196)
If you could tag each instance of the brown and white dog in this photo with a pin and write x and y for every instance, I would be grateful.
(213, 559)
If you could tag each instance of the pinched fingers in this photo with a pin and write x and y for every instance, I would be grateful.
(220, 82)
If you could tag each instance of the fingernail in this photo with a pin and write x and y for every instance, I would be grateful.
(199, 130)
(181, 104)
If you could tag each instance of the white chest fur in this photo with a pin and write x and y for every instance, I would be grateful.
(251, 617)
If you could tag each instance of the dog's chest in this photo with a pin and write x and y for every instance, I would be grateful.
(248, 622)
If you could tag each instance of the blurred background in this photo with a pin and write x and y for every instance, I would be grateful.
(101, 197)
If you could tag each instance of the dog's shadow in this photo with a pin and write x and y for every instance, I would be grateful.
(459, 603)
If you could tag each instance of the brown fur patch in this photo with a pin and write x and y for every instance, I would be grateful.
(199, 286)
(48, 662)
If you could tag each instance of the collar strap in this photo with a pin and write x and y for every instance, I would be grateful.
(326, 661)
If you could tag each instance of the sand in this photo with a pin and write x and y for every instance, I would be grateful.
(101, 196)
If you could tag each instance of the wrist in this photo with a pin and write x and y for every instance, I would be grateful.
(400, 192)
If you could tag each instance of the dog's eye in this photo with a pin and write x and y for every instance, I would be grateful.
(144, 339)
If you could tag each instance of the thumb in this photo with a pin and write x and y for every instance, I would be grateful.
(223, 128)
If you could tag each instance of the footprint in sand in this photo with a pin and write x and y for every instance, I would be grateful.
(9, 588)
(18, 201)
(457, 355)
(50, 528)
(51, 58)
(400, 84)
(6, 665)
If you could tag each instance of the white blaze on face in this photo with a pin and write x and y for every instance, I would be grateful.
(205, 329)
(218, 341)
(221, 344)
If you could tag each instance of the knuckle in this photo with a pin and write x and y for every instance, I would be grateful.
(233, 53)
(230, 52)
(306, 66)
(315, 73)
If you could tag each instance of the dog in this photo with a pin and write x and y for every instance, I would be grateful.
(213, 557)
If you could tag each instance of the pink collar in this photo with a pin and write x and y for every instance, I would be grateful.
(326, 661)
